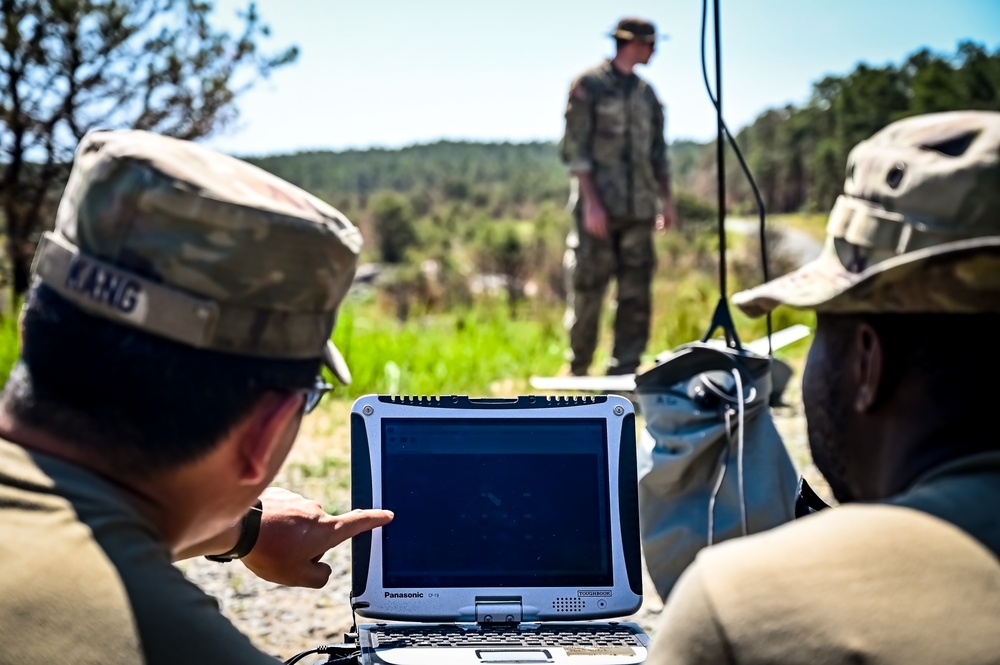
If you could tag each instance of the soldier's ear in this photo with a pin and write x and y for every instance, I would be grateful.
(868, 363)
(265, 434)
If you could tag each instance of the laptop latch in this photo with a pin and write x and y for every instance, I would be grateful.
(493, 612)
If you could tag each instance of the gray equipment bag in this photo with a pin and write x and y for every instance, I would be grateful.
(712, 466)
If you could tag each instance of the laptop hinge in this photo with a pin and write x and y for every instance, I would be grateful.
(507, 610)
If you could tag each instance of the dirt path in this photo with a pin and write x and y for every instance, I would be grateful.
(794, 243)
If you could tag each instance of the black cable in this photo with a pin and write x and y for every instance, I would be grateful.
(720, 147)
(724, 130)
(299, 656)
(354, 615)
(328, 649)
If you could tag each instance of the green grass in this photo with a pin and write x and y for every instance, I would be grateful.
(8, 345)
(484, 350)
(465, 352)
(489, 347)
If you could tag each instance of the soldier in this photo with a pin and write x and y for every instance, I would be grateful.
(615, 150)
(172, 339)
(907, 295)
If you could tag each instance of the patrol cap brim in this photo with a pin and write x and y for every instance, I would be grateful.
(335, 362)
(956, 277)
(630, 36)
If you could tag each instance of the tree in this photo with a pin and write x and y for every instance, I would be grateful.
(934, 85)
(69, 66)
(394, 225)
(979, 76)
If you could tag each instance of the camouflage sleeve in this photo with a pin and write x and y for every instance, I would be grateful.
(661, 163)
(576, 142)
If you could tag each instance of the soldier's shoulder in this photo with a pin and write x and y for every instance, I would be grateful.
(648, 88)
(854, 534)
(592, 74)
(591, 83)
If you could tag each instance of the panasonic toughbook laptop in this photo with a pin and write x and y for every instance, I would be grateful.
(516, 529)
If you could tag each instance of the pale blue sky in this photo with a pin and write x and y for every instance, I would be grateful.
(397, 72)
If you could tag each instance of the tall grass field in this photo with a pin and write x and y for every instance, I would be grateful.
(489, 345)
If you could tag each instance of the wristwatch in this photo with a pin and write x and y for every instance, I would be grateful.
(249, 530)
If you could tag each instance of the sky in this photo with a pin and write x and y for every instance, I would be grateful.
(391, 73)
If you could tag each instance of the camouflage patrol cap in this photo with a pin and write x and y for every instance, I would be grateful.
(192, 245)
(635, 29)
(917, 229)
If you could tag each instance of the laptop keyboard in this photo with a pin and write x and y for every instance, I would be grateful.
(598, 635)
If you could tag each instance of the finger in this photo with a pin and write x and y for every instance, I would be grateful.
(292, 572)
(359, 521)
(315, 575)
(340, 528)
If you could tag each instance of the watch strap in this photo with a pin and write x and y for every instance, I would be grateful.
(249, 530)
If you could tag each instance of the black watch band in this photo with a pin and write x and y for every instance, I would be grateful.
(250, 529)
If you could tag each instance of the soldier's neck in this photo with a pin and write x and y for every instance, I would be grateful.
(147, 495)
(622, 65)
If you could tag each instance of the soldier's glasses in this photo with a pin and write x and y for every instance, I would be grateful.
(315, 394)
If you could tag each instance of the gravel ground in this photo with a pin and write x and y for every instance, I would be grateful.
(284, 621)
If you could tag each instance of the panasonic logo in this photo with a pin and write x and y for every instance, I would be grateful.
(417, 594)
(592, 592)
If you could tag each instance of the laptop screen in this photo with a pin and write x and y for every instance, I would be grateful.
(529, 503)
(526, 506)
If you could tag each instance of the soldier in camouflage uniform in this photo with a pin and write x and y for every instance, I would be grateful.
(907, 293)
(173, 337)
(615, 149)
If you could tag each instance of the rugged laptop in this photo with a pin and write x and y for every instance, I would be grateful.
(516, 530)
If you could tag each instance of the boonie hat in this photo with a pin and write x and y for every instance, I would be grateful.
(636, 29)
(189, 244)
(917, 229)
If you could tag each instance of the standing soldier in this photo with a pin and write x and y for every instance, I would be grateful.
(615, 150)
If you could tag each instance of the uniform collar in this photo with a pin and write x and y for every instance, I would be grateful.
(617, 76)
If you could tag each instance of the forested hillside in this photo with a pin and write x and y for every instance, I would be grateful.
(501, 178)
(476, 208)
(796, 153)
(452, 225)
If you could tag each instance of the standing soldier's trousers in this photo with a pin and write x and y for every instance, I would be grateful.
(628, 256)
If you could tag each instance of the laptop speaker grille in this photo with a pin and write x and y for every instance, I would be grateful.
(569, 604)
